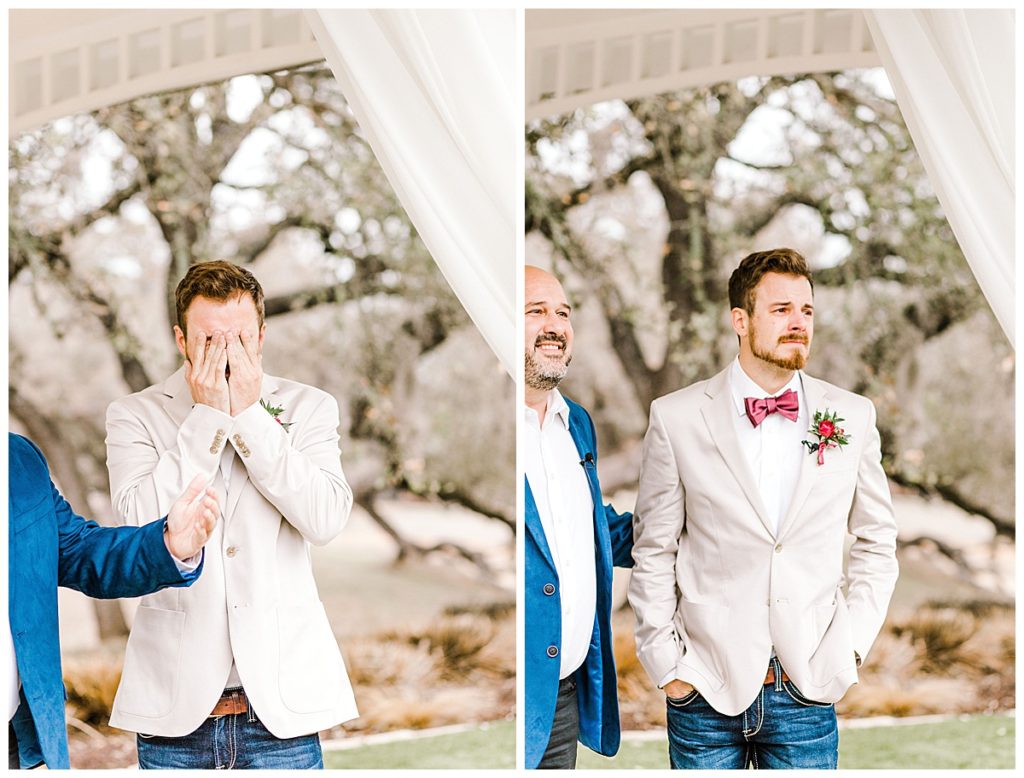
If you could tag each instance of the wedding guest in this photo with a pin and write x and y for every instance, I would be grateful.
(749, 483)
(572, 542)
(242, 670)
(49, 545)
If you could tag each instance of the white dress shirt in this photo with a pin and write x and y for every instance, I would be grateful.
(773, 449)
(562, 492)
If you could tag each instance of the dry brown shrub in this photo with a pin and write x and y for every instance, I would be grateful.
(420, 707)
(892, 658)
(632, 678)
(389, 663)
(498, 658)
(938, 634)
(459, 639)
(495, 611)
(908, 698)
(91, 683)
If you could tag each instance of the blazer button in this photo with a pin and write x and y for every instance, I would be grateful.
(778, 548)
(549, 588)
(231, 551)
(552, 651)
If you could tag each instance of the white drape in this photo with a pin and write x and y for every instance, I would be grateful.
(953, 75)
(432, 91)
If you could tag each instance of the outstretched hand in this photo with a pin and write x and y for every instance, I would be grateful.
(191, 520)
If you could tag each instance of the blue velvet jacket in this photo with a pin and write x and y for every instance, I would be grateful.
(596, 679)
(50, 546)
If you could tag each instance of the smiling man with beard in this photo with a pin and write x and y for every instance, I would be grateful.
(749, 483)
(572, 542)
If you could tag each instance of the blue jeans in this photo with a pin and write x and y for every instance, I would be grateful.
(237, 741)
(781, 729)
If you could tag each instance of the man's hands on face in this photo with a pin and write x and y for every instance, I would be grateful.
(204, 370)
(246, 370)
(191, 520)
(677, 689)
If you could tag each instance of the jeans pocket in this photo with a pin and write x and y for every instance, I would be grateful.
(682, 702)
(798, 698)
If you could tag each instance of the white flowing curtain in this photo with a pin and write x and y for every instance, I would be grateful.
(433, 92)
(953, 75)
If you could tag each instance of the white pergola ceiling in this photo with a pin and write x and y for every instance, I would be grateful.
(67, 61)
(576, 57)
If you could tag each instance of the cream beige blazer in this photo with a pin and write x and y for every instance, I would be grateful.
(256, 597)
(714, 589)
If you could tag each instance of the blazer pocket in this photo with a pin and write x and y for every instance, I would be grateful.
(152, 663)
(312, 673)
(702, 629)
(834, 653)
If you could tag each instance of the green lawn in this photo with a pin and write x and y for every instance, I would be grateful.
(979, 742)
(489, 746)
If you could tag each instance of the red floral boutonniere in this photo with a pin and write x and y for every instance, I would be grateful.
(276, 412)
(828, 432)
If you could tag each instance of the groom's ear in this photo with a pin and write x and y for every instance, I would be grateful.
(263, 332)
(179, 340)
(740, 322)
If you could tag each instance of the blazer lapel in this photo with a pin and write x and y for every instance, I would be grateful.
(816, 397)
(587, 449)
(178, 396)
(718, 414)
(534, 527)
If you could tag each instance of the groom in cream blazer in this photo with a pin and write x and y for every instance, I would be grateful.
(242, 669)
(749, 484)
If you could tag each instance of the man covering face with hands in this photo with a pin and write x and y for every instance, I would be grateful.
(242, 670)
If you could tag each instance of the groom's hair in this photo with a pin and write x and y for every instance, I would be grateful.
(217, 280)
(745, 278)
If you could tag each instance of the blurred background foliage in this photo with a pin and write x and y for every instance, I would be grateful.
(644, 207)
(107, 212)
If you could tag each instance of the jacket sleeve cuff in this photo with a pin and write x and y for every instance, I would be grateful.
(204, 434)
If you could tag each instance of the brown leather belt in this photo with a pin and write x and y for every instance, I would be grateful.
(232, 702)
(770, 678)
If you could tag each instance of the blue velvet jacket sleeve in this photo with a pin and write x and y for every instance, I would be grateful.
(111, 562)
(620, 529)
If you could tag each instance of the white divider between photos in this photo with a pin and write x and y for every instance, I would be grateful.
(432, 91)
(953, 75)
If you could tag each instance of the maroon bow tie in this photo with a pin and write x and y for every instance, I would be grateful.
(787, 404)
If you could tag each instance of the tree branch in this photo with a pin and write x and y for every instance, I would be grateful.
(368, 502)
(952, 495)
(450, 493)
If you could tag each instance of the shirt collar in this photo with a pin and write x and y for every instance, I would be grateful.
(743, 386)
(557, 407)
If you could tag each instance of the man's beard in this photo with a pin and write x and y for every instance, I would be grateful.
(546, 375)
(794, 362)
